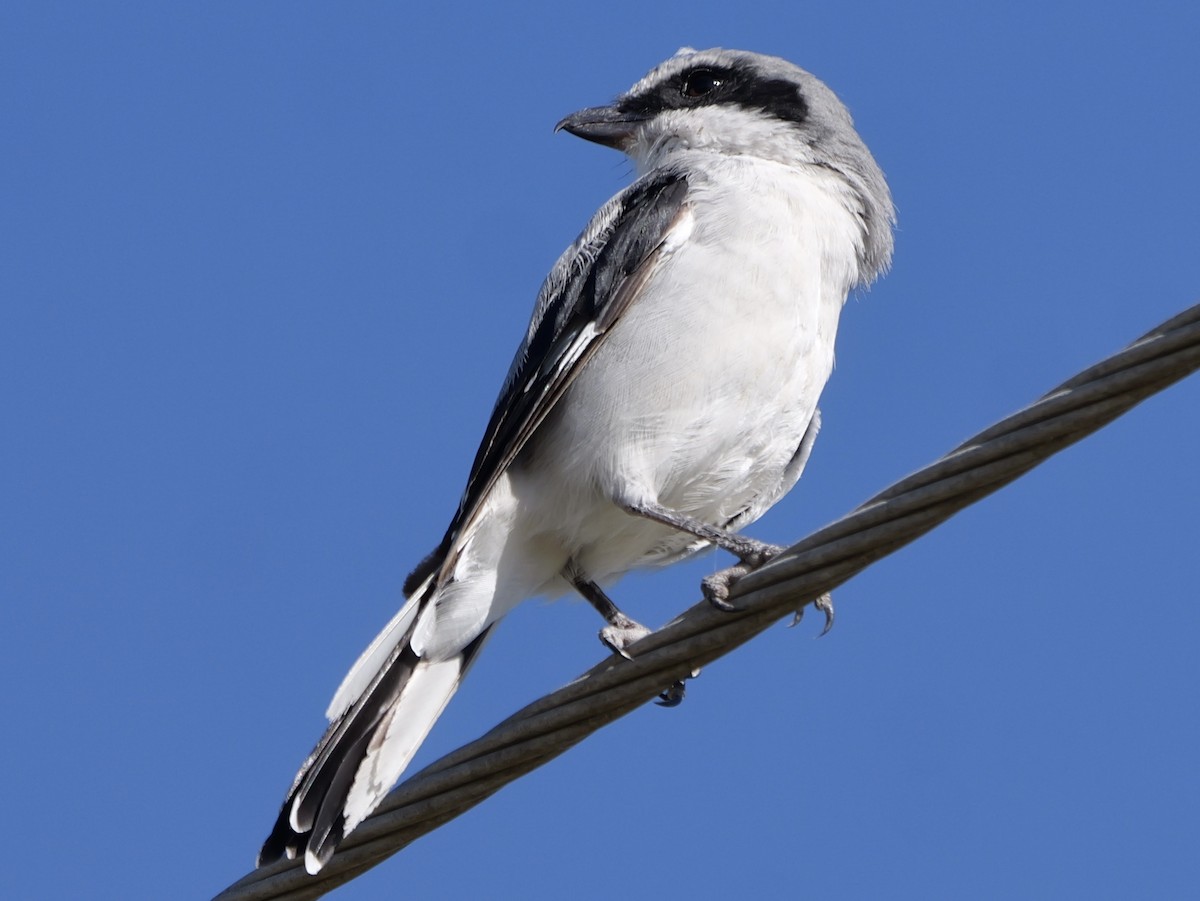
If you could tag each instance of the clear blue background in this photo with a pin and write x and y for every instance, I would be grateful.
(263, 266)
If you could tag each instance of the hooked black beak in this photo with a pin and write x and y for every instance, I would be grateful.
(607, 125)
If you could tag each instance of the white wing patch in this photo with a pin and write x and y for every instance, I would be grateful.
(578, 346)
(680, 231)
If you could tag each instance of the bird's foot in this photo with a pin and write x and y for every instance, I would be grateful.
(622, 633)
(752, 553)
(673, 696)
(715, 588)
(825, 604)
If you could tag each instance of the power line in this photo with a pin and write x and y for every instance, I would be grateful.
(817, 564)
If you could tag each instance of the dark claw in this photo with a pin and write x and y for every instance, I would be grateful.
(825, 604)
(722, 604)
(673, 696)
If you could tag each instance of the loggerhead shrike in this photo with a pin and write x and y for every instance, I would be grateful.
(664, 397)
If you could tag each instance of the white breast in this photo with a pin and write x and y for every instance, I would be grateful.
(700, 395)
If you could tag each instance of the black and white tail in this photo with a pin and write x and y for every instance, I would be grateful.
(378, 718)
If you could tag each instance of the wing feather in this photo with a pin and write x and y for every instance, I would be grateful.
(584, 296)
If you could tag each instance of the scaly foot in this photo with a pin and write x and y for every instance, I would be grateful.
(753, 554)
(622, 633)
(716, 587)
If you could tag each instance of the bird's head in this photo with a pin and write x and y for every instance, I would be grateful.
(736, 103)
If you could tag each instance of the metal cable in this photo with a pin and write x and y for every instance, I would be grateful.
(806, 570)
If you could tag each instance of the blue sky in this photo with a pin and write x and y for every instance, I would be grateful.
(263, 269)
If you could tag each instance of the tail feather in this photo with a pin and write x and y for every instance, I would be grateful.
(400, 733)
(368, 745)
(372, 660)
(328, 826)
(346, 735)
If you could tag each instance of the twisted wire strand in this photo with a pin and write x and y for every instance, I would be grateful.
(806, 570)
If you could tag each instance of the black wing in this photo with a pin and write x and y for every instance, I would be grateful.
(588, 289)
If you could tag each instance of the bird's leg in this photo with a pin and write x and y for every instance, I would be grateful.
(753, 554)
(750, 552)
(621, 631)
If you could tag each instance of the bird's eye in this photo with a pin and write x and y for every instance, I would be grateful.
(699, 82)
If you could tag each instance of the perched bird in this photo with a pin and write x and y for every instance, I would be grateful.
(664, 397)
